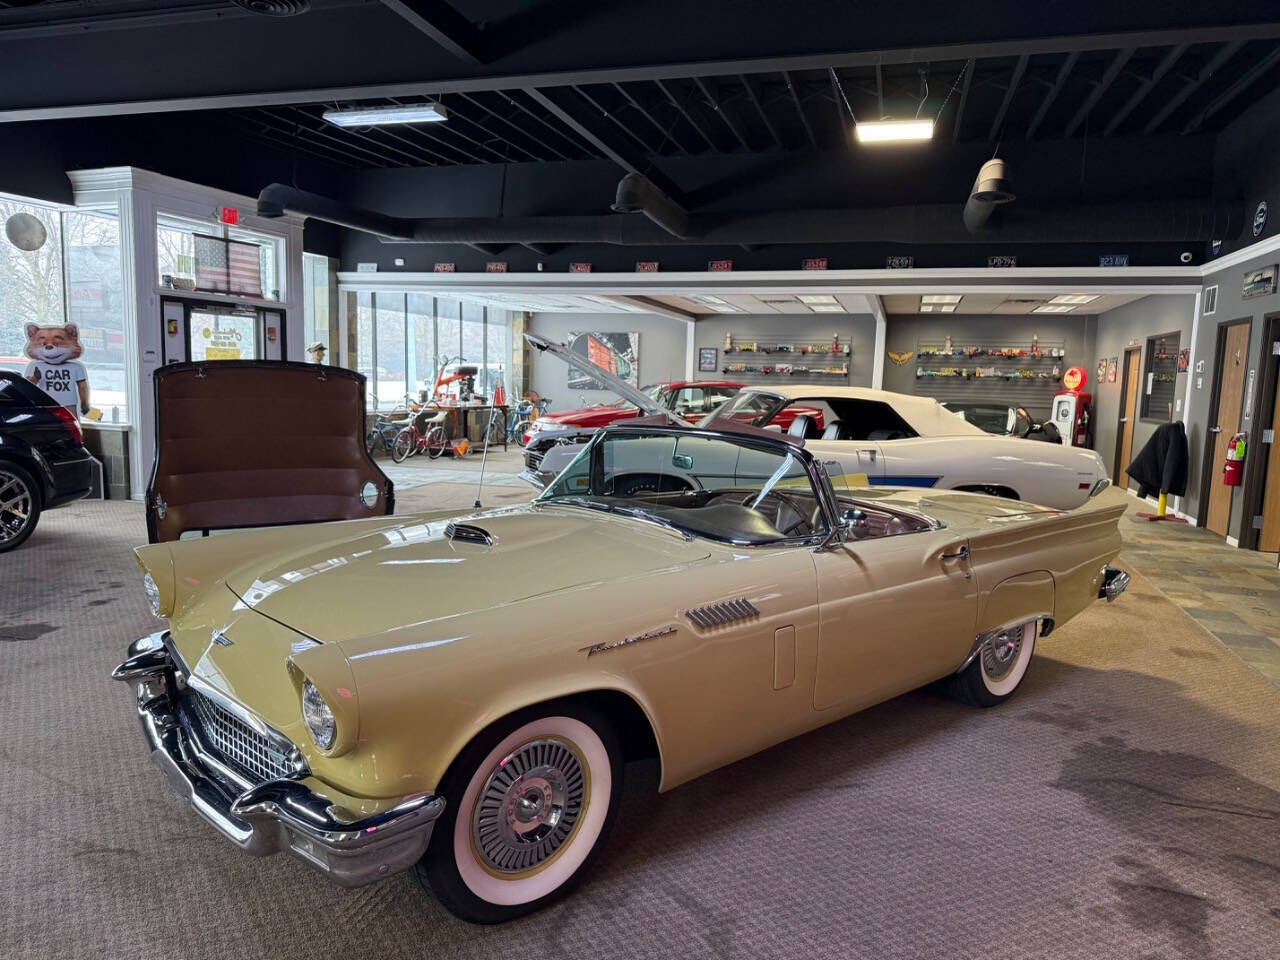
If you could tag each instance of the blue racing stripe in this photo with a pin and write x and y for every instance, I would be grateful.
(903, 481)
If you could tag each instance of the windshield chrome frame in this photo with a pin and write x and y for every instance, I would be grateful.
(812, 467)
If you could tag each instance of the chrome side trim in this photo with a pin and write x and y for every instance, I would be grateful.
(1099, 486)
(722, 613)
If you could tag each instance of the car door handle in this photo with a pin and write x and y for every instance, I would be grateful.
(961, 554)
(871, 454)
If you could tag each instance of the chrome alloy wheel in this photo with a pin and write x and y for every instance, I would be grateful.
(529, 807)
(1000, 652)
(15, 506)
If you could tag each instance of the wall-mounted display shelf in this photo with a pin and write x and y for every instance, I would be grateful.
(835, 347)
(787, 369)
(1027, 372)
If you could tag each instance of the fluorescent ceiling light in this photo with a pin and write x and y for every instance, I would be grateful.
(705, 299)
(890, 131)
(1054, 308)
(940, 298)
(383, 116)
(816, 298)
(827, 308)
(937, 308)
(723, 308)
(1075, 298)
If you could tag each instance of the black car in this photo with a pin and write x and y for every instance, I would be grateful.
(43, 462)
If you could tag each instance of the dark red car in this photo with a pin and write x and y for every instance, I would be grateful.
(689, 400)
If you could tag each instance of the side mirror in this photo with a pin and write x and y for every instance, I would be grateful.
(854, 524)
(682, 462)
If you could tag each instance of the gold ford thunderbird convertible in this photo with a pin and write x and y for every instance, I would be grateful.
(458, 693)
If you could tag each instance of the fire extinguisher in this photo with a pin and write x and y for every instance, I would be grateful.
(1233, 469)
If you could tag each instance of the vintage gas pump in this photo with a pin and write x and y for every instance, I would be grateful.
(1073, 410)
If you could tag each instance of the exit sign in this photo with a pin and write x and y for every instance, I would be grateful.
(814, 263)
(496, 266)
(579, 268)
(720, 266)
(229, 215)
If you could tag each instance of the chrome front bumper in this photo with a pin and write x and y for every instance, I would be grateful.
(275, 816)
(1114, 583)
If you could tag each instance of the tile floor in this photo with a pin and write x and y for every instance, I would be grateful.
(1234, 594)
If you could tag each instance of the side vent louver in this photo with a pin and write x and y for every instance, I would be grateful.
(468, 533)
(722, 613)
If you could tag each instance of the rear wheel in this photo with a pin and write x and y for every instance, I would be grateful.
(528, 805)
(998, 669)
(435, 442)
(19, 506)
(403, 444)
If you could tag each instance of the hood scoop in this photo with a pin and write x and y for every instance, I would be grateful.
(468, 533)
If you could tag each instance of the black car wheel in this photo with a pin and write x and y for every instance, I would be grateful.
(19, 506)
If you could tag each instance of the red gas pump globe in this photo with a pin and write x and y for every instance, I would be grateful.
(1074, 378)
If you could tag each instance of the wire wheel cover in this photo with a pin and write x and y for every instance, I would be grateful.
(1000, 652)
(529, 806)
(15, 506)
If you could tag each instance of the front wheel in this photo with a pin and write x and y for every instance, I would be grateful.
(19, 506)
(998, 669)
(528, 805)
(403, 444)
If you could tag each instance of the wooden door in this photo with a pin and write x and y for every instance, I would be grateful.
(1128, 415)
(1269, 538)
(1232, 361)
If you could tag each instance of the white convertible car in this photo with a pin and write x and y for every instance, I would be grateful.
(892, 438)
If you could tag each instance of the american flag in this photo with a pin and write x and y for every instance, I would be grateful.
(228, 266)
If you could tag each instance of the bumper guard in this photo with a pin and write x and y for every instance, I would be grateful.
(275, 816)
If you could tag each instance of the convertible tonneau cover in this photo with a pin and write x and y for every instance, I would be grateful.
(246, 443)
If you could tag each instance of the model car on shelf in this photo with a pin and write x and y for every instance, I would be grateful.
(1004, 420)
(900, 440)
(681, 401)
(43, 461)
(457, 692)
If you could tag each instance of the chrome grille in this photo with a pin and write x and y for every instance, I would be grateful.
(236, 742)
(532, 459)
(722, 614)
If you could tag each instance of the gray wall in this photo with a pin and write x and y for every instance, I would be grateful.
(662, 350)
(1231, 306)
(1138, 320)
(856, 330)
(904, 333)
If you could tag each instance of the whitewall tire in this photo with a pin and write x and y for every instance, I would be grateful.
(999, 667)
(529, 803)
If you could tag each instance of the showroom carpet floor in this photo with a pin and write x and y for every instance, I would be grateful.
(1125, 804)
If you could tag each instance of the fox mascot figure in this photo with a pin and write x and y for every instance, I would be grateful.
(55, 366)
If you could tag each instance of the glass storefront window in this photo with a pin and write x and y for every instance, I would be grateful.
(364, 345)
(497, 334)
(95, 304)
(315, 303)
(223, 335)
(422, 334)
(392, 361)
(448, 332)
(31, 289)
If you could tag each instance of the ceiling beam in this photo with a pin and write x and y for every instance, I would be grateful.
(446, 27)
(1055, 88)
(720, 112)
(755, 102)
(577, 144)
(969, 67)
(1103, 85)
(880, 89)
(1242, 83)
(474, 101)
(1234, 33)
(667, 132)
(795, 98)
(688, 117)
(1225, 53)
(1163, 67)
(1018, 70)
(610, 115)
(569, 112)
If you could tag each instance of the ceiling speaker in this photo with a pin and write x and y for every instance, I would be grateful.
(25, 232)
(275, 8)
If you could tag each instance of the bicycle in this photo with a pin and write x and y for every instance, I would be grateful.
(522, 417)
(424, 434)
(382, 433)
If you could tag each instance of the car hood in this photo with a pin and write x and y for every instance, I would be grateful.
(414, 573)
(589, 416)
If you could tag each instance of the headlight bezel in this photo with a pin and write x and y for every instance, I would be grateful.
(318, 717)
(152, 591)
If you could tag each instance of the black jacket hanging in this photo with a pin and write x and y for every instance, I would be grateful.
(1162, 464)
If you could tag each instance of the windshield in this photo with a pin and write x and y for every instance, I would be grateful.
(735, 491)
(749, 407)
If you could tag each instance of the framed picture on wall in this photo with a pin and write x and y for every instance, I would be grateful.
(707, 357)
(1184, 359)
(1112, 364)
(1102, 371)
(1259, 283)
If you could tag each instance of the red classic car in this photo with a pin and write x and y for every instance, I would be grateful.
(688, 399)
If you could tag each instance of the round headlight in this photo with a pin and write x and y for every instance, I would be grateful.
(319, 718)
(153, 594)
